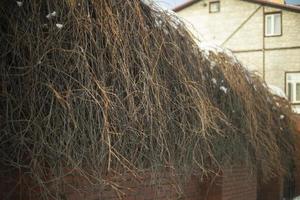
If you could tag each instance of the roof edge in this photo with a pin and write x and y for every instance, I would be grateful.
(185, 5)
(288, 7)
(276, 5)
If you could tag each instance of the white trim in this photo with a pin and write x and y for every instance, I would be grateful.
(212, 4)
(294, 83)
(270, 18)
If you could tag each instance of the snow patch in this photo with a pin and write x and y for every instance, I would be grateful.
(224, 89)
(296, 198)
(212, 65)
(296, 110)
(19, 3)
(51, 15)
(210, 47)
(214, 81)
(248, 77)
(254, 87)
(60, 26)
(175, 19)
(276, 91)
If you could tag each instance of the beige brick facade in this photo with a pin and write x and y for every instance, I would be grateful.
(239, 26)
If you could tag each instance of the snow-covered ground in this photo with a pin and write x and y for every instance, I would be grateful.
(276, 91)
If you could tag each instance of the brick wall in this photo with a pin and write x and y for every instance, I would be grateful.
(9, 187)
(239, 183)
(163, 186)
(270, 190)
(211, 188)
(274, 188)
(234, 184)
(297, 178)
(297, 159)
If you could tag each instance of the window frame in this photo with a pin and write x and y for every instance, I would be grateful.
(286, 88)
(265, 24)
(214, 2)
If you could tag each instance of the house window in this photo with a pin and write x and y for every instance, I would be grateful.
(214, 6)
(273, 24)
(293, 86)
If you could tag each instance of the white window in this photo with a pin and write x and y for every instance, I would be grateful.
(293, 86)
(273, 24)
(214, 6)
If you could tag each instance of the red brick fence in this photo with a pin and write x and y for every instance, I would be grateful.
(237, 183)
(234, 184)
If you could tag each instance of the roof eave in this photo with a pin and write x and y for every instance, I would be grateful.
(185, 5)
(276, 5)
(292, 8)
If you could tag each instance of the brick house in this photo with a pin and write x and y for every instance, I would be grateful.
(263, 34)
